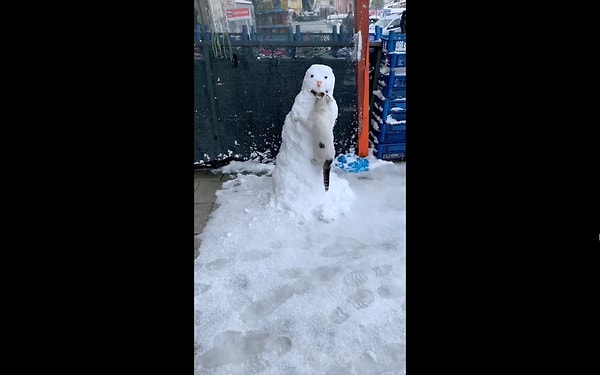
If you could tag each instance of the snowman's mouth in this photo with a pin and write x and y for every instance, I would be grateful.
(318, 94)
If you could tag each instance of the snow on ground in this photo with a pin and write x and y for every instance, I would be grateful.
(280, 293)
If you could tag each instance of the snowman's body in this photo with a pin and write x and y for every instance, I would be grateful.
(298, 182)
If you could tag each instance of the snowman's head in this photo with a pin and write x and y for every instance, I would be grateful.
(319, 79)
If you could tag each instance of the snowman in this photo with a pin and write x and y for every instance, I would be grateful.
(297, 179)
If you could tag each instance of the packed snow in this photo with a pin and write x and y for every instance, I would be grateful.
(295, 175)
(293, 279)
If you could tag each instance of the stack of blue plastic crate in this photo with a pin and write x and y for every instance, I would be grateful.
(387, 136)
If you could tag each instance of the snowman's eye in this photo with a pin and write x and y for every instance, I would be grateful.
(325, 77)
(312, 75)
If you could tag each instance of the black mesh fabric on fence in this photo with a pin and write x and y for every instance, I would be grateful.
(240, 103)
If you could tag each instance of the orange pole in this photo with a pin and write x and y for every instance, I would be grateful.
(362, 79)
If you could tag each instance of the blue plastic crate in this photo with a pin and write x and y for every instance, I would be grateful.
(391, 104)
(390, 133)
(386, 116)
(393, 42)
(395, 59)
(389, 73)
(397, 93)
(395, 107)
(393, 86)
(376, 36)
(390, 151)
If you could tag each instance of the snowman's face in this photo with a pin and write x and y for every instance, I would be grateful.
(319, 78)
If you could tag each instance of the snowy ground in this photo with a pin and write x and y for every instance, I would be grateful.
(278, 293)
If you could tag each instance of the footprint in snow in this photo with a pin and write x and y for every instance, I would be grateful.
(338, 316)
(217, 263)
(382, 270)
(361, 299)
(345, 246)
(325, 273)
(390, 291)
(355, 278)
(252, 255)
(262, 308)
(247, 349)
(200, 288)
